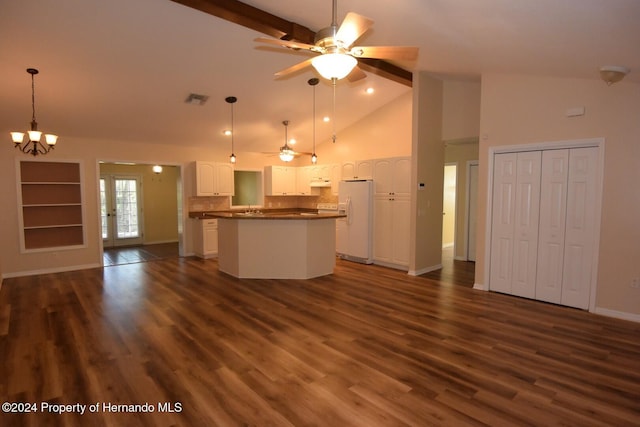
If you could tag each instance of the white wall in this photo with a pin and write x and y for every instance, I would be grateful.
(518, 109)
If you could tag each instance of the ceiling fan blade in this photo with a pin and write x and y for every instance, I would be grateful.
(356, 74)
(289, 44)
(400, 53)
(294, 68)
(352, 27)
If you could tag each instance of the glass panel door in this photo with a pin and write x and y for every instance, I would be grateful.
(121, 211)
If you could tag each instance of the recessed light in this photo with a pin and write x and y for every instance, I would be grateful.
(369, 90)
(292, 141)
(326, 119)
(226, 132)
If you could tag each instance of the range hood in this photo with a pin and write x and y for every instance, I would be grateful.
(320, 183)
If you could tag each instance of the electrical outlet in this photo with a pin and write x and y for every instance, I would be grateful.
(635, 282)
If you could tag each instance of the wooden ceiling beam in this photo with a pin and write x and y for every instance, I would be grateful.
(279, 28)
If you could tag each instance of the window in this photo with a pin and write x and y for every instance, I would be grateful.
(247, 188)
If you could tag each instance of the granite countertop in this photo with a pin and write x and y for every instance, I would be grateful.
(276, 214)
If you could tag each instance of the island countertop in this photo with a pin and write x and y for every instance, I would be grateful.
(275, 214)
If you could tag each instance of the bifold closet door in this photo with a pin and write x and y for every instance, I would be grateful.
(580, 237)
(514, 243)
(543, 225)
(553, 212)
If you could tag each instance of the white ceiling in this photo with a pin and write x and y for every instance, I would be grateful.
(121, 69)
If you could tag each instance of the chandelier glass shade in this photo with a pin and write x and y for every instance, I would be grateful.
(334, 65)
(34, 145)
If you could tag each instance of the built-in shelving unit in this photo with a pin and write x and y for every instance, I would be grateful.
(51, 204)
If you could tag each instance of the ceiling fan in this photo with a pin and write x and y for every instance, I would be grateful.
(286, 153)
(336, 57)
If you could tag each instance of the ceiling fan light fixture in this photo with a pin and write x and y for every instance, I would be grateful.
(613, 73)
(334, 65)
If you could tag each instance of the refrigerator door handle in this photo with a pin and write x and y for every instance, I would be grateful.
(349, 214)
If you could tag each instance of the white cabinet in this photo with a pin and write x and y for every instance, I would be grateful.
(336, 176)
(206, 238)
(392, 176)
(543, 225)
(392, 205)
(391, 231)
(279, 181)
(303, 180)
(357, 169)
(214, 179)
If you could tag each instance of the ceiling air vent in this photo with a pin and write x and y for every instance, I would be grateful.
(196, 99)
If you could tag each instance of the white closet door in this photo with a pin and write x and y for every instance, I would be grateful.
(527, 210)
(580, 227)
(553, 208)
(502, 221)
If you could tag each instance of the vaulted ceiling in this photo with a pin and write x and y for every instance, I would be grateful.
(122, 69)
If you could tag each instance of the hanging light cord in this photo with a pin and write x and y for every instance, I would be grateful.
(314, 119)
(33, 103)
(232, 131)
(334, 80)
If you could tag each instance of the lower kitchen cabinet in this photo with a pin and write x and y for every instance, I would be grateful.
(391, 219)
(206, 238)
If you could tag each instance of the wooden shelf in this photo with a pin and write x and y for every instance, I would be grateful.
(51, 204)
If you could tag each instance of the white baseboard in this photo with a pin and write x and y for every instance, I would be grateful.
(391, 265)
(617, 314)
(460, 258)
(50, 270)
(479, 287)
(447, 245)
(424, 270)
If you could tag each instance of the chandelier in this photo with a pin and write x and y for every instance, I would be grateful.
(34, 145)
(286, 153)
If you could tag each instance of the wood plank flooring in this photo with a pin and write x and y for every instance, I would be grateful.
(366, 346)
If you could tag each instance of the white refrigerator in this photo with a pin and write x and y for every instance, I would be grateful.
(354, 232)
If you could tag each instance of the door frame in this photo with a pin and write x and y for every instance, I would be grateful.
(541, 146)
(467, 210)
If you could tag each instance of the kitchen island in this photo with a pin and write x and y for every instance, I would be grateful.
(276, 245)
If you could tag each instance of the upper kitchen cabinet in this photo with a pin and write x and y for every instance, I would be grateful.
(362, 169)
(214, 179)
(279, 181)
(303, 180)
(392, 176)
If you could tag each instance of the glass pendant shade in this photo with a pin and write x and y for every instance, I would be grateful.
(51, 139)
(334, 65)
(17, 137)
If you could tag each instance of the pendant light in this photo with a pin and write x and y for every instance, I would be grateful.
(313, 82)
(231, 100)
(34, 146)
(286, 153)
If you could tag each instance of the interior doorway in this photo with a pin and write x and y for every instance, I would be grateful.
(449, 206)
(140, 208)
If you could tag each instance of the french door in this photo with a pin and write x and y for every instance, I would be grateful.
(121, 210)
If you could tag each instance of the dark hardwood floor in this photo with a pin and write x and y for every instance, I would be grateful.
(366, 346)
(143, 253)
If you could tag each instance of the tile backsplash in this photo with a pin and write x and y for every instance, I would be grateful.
(223, 203)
